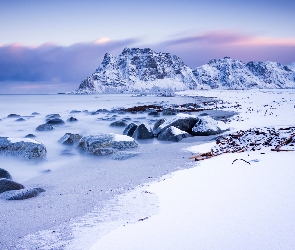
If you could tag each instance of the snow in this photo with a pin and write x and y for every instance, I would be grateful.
(118, 137)
(15, 140)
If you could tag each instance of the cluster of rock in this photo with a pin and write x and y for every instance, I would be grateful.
(25, 148)
(255, 139)
(175, 129)
(11, 190)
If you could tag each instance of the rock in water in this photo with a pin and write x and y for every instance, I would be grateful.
(104, 144)
(69, 138)
(129, 130)
(143, 131)
(21, 194)
(7, 185)
(5, 174)
(120, 123)
(206, 126)
(24, 148)
(72, 119)
(55, 121)
(183, 122)
(158, 123)
(173, 134)
(44, 127)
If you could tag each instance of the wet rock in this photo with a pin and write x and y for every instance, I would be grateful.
(173, 134)
(55, 121)
(7, 185)
(206, 126)
(154, 112)
(123, 155)
(5, 174)
(69, 138)
(143, 131)
(158, 123)
(183, 122)
(52, 116)
(21, 194)
(30, 136)
(103, 144)
(35, 113)
(169, 112)
(75, 111)
(13, 116)
(129, 130)
(20, 119)
(72, 119)
(120, 123)
(24, 148)
(44, 127)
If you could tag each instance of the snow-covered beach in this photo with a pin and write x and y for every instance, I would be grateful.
(215, 204)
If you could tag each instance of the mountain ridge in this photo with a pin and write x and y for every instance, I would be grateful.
(146, 71)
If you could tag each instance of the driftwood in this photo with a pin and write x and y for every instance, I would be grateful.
(241, 160)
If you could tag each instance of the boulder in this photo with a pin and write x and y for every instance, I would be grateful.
(20, 119)
(44, 127)
(104, 144)
(154, 113)
(21, 194)
(158, 123)
(5, 174)
(30, 136)
(55, 121)
(72, 119)
(52, 116)
(69, 138)
(7, 185)
(13, 116)
(206, 126)
(169, 112)
(24, 148)
(143, 131)
(183, 122)
(120, 123)
(129, 130)
(173, 134)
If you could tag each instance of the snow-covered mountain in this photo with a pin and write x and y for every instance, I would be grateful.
(140, 71)
(145, 71)
(227, 73)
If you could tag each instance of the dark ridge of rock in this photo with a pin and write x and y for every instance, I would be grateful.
(13, 116)
(30, 136)
(158, 123)
(143, 131)
(55, 121)
(5, 174)
(72, 119)
(20, 120)
(173, 134)
(75, 111)
(7, 185)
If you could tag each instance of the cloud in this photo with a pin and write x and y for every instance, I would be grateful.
(199, 49)
(49, 63)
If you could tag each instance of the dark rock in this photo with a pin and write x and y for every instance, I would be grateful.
(44, 127)
(129, 130)
(204, 114)
(72, 119)
(55, 121)
(183, 122)
(75, 111)
(35, 113)
(20, 119)
(24, 148)
(120, 123)
(7, 185)
(169, 112)
(143, 131)
(173, 134)
(206, 126)
(13, 116)
(21, 194)
(155, 113)
(30, 136)
(52, 116)
(158, 123)
(69, 138)
(5, 174)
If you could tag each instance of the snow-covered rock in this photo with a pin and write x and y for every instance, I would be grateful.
(129, 130)
(140, 71)
(104, 144)
(206, 126)
(44, 127)
(21, 194)
(143, 131)
(24, 148)
(173, 134)
(181, 121)
(69, 138)
(227, 73)
(5, 174)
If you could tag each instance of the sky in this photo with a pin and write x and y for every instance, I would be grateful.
(51, 46)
